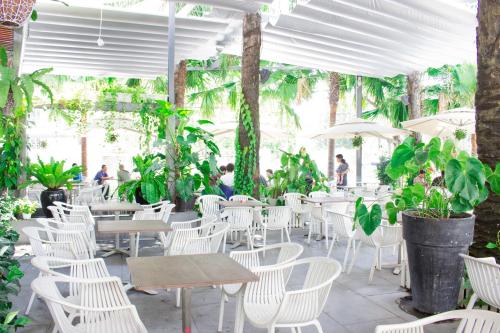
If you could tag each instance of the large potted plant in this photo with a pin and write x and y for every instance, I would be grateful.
(52, 176)
(437, 220)
(150, 187)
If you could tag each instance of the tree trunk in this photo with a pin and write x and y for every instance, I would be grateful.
(414, 98)
(488, 117)
(248, 134)
(333, 101)
(180, 84)
(442, 102)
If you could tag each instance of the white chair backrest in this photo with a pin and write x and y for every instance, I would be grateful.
(288, 252)
(199, 240)
(341, 224)
(76, 210)
(318, 194)
(90, 195)
(484, 275)
(384, 235)
(241, 198)
(293, 199)
(475, 321)
(209, 204)
(277, 216)
(239, 218)
(167, 240)
(103, 305)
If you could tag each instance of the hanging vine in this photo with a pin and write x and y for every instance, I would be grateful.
(246, 162)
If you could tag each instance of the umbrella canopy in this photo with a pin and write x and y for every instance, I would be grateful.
(360, 127)
(444, 124)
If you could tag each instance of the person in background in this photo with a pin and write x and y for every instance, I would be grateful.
(228, 178)
(223, 170)
(79, 177)
(420, 179)
(123, 175)
(439, 180)
(341, 171)
(101, 177)
(269, 174)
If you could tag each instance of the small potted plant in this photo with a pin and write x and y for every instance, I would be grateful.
(437, 221)
(357, 141)
(25, 208)
(53, 176)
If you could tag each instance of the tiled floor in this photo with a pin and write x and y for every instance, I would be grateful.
(354, 306)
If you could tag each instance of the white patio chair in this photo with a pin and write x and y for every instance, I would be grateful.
(103, 307)
(198, 240)
(268, 304)
(209, 204)
(166, 239)
(241, 198)
(48, 242)
(90, 195)
(384, 236)
(342, 227)
(240, 221)
(275, 218)
(160, 211)
(484, 275)
(318, 194)
(475, 321)
(299, 209)
(287, 252)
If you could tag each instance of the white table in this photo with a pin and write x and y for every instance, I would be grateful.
(116, 207)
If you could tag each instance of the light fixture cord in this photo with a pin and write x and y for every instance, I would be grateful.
(100, 22)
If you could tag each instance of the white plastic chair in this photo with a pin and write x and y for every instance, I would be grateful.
(293, 200)
(267, 303)
(160, 211)
(209, 204)
(275, 218)
(103, 307)
(475, 321)
(166, 239)
(318, 194)
(342, 227)
(241, 198)
(240, 220)
(484, 275)
(287, 252)
(384, 236)
(90, 195)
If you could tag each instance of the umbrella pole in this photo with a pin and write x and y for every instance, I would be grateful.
(359, 111)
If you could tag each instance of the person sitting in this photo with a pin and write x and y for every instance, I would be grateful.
(420, 179)
(100, 177)
(79, 177)
(223, 170)
(228, 178)
(123, 175)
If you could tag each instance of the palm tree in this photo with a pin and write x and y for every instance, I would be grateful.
(487, 117)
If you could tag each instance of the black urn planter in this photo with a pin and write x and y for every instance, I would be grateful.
(436, 269)
(139, 198)
(47, 197)
(184, 206)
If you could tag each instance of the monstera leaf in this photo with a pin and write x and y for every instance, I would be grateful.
(369, 220)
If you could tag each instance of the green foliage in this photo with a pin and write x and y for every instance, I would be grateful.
(357, 141)
(11, 145)
(10, 272)
(298, 173)
(152, 182)
(465, 186)
(383, 178)
(246, 153)
(52, 174)
(25, 206)
(460, 134)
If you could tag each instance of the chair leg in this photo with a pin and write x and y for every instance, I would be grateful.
(249, 239)
(472, 301)
(221, 311)
(309, 233)
(178, 297)
(271, 329)
(326, 234)
(332, 244)
(318, 326)
(137, 244)
(287, 235)
(374, 264)
(346, 255)
(264, 239)
(30, 304)
(354, 258)
(379, 261)
(282, 235)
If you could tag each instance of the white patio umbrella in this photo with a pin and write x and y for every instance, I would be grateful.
(360, 127)
(444, 124)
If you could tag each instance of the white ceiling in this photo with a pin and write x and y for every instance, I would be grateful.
(363, 37)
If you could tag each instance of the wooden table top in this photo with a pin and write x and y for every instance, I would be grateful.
(116, 206)
(249, 203)
(132, 226)
(187, 271)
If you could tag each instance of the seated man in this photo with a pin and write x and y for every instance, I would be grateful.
(101, 177)
(228, 178)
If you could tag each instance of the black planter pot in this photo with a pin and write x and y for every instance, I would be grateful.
(47, 197)
(184, 206)
(436, 269)
(139, 198)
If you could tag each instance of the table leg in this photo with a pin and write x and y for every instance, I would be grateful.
(186, 310)
(117, 249)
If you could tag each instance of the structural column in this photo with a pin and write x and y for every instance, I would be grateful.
(359, 112)
(171, 98)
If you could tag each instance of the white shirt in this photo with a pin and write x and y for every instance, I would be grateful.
(228, 179)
